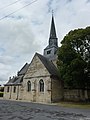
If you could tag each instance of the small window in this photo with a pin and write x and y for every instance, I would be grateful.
(41, 84)
(14, 89)
(28, 86)
(48, 52)
(8, 89)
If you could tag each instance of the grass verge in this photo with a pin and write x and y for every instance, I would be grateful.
(74, 105)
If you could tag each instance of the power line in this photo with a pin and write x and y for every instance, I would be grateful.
(17, 10)
(9, 5)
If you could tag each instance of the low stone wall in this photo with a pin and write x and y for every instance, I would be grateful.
(76, 94)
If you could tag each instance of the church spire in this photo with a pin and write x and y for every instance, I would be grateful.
(51, 50)
(53, 30)
(53, 36)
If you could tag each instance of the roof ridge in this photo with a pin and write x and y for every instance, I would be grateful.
(25, 65)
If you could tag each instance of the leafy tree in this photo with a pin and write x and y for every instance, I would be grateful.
(74, 58)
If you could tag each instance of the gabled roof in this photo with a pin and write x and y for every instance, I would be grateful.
(48, 64)
(15, 80)
(19, 78)
(23, 69)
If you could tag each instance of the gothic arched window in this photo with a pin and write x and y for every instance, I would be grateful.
(28, 86)
(41, 84)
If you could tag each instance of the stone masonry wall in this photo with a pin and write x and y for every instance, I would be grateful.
(6, 94)
(57, 91)
(11, 94)
(76, 94)
(35, 73)
(35, 95)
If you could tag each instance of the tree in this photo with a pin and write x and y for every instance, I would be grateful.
(74, 59)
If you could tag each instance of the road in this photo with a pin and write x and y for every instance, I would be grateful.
(16, 110)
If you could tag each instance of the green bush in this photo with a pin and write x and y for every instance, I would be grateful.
(1, 94)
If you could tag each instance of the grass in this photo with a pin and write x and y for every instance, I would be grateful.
(82, 105)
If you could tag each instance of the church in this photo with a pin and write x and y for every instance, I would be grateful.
(39, 80)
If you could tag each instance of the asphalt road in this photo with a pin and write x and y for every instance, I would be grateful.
(16, 110)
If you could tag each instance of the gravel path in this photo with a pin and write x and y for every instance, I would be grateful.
(16, 110)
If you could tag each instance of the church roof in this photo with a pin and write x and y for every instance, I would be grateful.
(48, 47)
(19, 78)
(53, 30)
(48, 64)
(15, 80)
(23, 69)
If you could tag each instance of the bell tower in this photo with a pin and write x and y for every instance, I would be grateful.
(51, 49)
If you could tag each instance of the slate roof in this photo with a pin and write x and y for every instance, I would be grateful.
(53, 30)
(48, 64)
(15, 80)
(23, 69)
(51, 47)
(19, 78)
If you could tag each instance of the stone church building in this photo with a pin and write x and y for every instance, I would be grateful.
(38, 81)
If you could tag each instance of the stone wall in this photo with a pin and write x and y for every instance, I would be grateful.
(11, 94)
(36, 69)
(76, 94)
(35, 95)
(35, 73)
(6, 94)
(57, 90)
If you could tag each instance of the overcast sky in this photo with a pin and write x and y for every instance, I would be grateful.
(27, 31)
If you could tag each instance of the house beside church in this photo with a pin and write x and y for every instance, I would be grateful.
(38, 81)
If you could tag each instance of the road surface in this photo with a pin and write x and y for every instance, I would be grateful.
(16, 110)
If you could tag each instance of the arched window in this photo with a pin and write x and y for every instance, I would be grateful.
(41, 84)
(28, 86)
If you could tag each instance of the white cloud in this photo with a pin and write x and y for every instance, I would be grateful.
(27, 31)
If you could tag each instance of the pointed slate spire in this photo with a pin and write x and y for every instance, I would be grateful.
(53, 30)
(51, 50)
(53, 36)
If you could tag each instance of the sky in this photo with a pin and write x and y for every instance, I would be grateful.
(27, 30)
